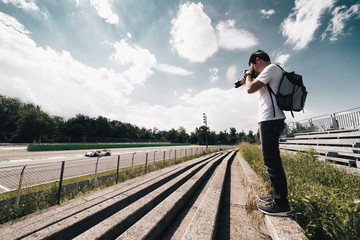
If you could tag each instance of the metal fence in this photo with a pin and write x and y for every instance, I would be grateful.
(349, 119)
(18, 179)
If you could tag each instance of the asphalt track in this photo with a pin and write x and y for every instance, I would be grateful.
(44, 167)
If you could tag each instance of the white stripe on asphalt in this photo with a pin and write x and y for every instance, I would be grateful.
(5, 188)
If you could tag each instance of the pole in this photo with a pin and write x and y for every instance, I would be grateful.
(61, 180)
(19, 188)
(154, 155)
(117, 169)
(132, 161)
(146, 160)
(96, 168)
(206, 129)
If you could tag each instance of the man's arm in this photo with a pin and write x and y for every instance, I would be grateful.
(253, 86)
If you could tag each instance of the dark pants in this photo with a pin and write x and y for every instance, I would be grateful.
(269, 135)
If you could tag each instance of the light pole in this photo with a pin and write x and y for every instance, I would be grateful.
(206, 137)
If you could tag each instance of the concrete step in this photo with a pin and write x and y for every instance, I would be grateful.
(118, 223)
(155, 224)
(92, 208)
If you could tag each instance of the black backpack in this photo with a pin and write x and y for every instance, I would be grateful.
(292, 92)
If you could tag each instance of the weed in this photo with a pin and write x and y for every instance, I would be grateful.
(325, 201)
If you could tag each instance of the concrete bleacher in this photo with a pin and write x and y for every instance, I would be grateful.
(339, 146)
(132, 206)
(160, 205)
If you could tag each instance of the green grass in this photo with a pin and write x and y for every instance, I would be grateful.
(325, 201)
(46, 195)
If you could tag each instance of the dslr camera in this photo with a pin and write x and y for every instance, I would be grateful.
(253, 75)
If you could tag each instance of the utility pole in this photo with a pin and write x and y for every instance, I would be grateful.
(206, 137)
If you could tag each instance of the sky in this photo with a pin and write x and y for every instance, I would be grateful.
(163, 64)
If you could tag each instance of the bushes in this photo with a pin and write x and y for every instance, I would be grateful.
(325, 201)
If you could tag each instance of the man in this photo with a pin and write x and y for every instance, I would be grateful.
(271, 124)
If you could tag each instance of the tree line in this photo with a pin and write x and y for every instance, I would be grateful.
(26, 122)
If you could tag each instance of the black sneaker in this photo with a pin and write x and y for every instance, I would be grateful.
(266, 198)
(274, 209)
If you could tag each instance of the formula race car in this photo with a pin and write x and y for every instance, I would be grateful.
(98, 153)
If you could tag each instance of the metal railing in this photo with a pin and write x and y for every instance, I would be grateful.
(344, 120)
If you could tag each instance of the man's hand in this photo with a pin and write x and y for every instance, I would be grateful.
(249, 72)
(242, 80)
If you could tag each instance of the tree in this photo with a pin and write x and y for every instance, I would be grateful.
(34, 124)
(250, 137)
(242, 136)
(9, 114)
(233, 136)
(181, 135)
(171, 135)
(223, 137)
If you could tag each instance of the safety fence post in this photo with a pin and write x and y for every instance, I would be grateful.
(154, 156)
(117, 169)
(19, 188)
(132, 161)
(61, 180)
(146, 161)
(96, 168)
(164, 158)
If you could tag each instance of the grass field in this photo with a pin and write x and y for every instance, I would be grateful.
(325, 201)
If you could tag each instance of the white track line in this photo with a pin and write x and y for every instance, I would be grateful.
(5, 188)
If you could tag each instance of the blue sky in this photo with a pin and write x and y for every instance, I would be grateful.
(164, 63)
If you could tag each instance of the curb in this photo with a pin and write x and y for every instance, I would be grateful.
(280, 228)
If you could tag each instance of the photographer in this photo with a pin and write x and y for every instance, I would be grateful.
(271, 125)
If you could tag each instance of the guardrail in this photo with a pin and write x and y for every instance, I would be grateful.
(348, 119)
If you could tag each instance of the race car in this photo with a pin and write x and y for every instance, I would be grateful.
(98, 153)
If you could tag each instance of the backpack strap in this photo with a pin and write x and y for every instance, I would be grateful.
(271, 92)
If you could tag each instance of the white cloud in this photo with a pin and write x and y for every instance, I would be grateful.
(282, 59)
(224, 108)
(231, 73)
(104, 10)
(231, 38)
(300, 26)
(193, 36)
(63, 85)
(213, 75)
(267, 14)
(340, 16)
(172, 69)
(138, 62)
(28, 5)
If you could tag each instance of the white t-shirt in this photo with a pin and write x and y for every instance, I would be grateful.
(271, 74)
